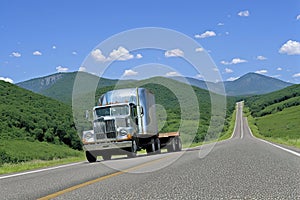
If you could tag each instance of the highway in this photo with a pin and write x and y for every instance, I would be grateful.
(241, 167)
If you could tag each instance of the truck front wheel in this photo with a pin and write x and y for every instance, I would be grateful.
(133, 150)
(106, 156)
(90, 157)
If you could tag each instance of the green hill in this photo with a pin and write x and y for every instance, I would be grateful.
(31, 118)
(62, 90)
(276, 101)
(277, 115)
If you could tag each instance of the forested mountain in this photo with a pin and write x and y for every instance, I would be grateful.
(33, 117)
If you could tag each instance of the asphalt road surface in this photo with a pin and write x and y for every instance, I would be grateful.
(242, 167)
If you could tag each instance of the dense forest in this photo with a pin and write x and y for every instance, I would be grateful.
(33, 117)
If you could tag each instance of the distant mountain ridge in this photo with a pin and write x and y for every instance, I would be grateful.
(248, 84)
(60, 85)
(39, 84)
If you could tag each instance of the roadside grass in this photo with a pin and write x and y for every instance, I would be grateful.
(231, 126)
(281, 127)
(7, 168)
(224, 136)
(20, 155)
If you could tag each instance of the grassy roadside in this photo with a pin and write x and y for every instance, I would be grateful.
(18, 155)
(285, 140)
(226, 135)
(7, 168)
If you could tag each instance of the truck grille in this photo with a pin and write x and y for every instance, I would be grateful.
(105, 129)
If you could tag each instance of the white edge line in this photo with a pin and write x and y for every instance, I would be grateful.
(282, 148)
(242, 123)
(235, 124)
(39, 170)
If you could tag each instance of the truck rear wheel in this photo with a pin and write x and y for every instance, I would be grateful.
(157, 146)
(90, 157)
(172, 145)
(178, 144)
(151, 147)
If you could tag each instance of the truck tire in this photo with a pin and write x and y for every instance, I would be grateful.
(90, 157)
(151, 147)
(178, 144)
(172, 145)
(157, 146)
(133, 150)
(106, 156)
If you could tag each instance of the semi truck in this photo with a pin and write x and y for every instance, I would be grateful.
(124, 122)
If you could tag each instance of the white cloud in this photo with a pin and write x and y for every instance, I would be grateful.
(98, 56)
(82, 69)
(199, 76)
(244, 13)
(227, 70)
(62, 69)
(263, 71)
(74, 53)
(53, 47)
(120, 54)
(290, 48)
(276, 76)
(130, 73)
(279, 69)
(261, 58)
(232, 78)
(298, 17)
(296, 75)
(9, 80)
(117, 54)
(37, 53)
(200, 49)
(15, 54)
(206, 34)
(173, 74)
(174, 53)
(220, 24)
(138, 56)
(234, 61)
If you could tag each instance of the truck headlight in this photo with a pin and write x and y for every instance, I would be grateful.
(123, 132)
(88, 136)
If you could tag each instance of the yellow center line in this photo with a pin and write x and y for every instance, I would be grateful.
(56, 194)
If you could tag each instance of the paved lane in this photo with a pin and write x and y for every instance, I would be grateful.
(240, 168)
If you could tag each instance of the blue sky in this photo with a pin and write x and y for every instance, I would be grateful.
(40, 38)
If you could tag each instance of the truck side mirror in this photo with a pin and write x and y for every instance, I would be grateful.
(88, 115)
(142, 111)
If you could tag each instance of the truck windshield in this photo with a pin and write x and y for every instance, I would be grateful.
(112, 111)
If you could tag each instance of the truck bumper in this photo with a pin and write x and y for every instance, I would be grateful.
(107, 146)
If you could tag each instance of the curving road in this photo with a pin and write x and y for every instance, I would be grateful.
(242, 167)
